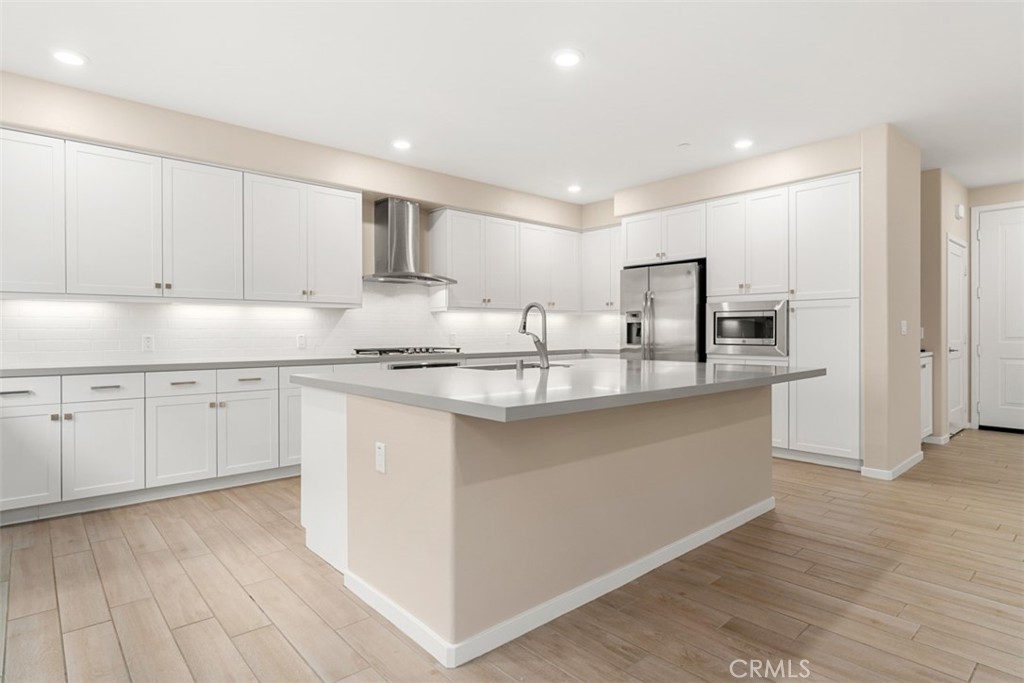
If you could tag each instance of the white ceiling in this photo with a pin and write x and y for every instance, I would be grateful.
(473, 87)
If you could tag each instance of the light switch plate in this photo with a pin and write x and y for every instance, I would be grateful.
(300, 341)
(380, 457)
(903, 327)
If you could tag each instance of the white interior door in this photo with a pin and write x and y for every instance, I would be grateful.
(1001, 318)
(956, 333)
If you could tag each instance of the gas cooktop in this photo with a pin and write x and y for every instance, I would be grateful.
(406, 350)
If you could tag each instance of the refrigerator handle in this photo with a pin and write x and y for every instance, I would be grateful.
(647, 330)
(649, 327)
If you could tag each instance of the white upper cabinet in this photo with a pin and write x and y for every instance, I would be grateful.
(202, 231)
(534, 265)
(601, 262)
(481, 252)
(683, 233)
(747, 244)
(113, 221)
(727, 247)
(335, 246)
(564, 262)
(302, 242)
(549, 267)
(31, 213)
(275, 239)
(768, 242)
(641, 238)
(676, 234)
(824, 243)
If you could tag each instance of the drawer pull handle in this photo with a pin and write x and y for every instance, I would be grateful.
(250, 379)
(106, 386)
(16, 392)
(183, 383)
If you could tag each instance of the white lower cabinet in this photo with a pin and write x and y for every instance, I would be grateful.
(181, 439)
(103, 447)
(29, 455)
(926, 397)
(291, 426)
(247, 432)
(824, 412)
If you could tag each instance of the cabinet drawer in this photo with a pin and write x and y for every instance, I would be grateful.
(181, 383)
(29, 391)
(246, 379)
(287, 372)
(80, 388)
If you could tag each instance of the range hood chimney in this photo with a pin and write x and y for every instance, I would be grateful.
(396, 244)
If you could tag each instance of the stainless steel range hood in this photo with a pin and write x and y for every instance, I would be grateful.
(396, 245)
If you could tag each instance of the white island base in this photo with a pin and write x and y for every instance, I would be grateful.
(479, 531)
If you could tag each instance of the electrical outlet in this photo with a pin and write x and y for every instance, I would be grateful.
(380, 457)
(903, 327)
(300, 341)
(148, 343)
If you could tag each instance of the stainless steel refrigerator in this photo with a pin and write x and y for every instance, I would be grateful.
(662, 312)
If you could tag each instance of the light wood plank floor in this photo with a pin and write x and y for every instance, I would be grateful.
(919, 579)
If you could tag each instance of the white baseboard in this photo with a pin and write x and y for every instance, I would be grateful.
(937, 440)
(889, 475)
(451, 655)
(115, 500)
(817, 458)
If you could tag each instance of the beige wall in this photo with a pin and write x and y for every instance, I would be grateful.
(43, 107)
(598, 215)
(536, 509)
(940, 193)
(997, 194)
(792, 165)
(890, 293)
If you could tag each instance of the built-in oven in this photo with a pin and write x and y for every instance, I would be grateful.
(748, 328)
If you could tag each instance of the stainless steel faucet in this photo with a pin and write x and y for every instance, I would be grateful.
(542, 343)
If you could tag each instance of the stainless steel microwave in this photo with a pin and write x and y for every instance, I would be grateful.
(748, 328)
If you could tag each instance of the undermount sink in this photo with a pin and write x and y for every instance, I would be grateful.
(509, 366)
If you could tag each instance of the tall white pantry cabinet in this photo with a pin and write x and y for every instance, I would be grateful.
(800, 243)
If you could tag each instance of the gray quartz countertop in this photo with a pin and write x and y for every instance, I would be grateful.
(584, 385)
(91, 369)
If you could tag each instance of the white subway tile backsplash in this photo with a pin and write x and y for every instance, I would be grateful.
(41, 333)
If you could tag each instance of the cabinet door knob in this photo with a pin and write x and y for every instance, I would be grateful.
(167, 285)
(740, 285)
(311, 292)
(792, 291)
(223, 404)
(213, 404)
(54, 417)
(305, 292)
(158, 285)
(67, 416)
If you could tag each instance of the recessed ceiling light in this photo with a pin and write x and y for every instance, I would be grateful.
(568, 57)
(574, 188)
(401, 144)
(70, 58)
(742, 144)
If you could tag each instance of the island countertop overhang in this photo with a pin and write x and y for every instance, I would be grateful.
(585, 385)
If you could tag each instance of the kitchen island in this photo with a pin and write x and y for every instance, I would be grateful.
(469, 506)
